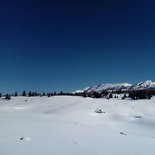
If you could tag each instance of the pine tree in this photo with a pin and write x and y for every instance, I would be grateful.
(0, 95)
(29, 94)
(61, 93)
(15, 94)
(24, 93)
(49, 95)
(8, 97)
(124, 97)
(35, 94)
(110, 95)
(32, 94)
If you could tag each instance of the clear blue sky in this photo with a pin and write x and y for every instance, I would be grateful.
(53, 45)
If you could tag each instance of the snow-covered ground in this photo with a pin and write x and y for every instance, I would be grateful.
(64, 125)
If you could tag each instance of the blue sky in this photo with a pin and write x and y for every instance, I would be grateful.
(67, 45)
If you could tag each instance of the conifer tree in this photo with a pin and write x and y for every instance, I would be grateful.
(8, 97)
(15, 94)
(24, 93)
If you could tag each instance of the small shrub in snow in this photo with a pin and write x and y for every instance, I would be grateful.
(123, 133)
(138, 116)
(98, 111)
(22, 138)
(25, 138)
(107, 97)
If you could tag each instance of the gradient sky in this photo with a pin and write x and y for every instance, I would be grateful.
(53, 45)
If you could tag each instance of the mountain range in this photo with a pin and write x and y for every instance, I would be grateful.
(148, 84)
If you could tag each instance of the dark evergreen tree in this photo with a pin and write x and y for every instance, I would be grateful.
(0, 95)
(110, 95)
(140, 94)
(30, 94)
(149, 96)
(118, 91)
(124, 97)
(49, 95)
(84, 95)
(52, 94)
(61, 93)
(8, 97)
(36, 94)
(15, 94)
(104, 93)
(96, 95)
(24, 93)
(115, 96)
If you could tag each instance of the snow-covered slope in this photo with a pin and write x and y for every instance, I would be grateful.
(119, 86)
(81, 91)
(109, 87)
(144, 85)
(66, 125)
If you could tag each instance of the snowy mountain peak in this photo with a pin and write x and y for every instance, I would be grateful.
(148, 84)
(106, 87)
(110, 86)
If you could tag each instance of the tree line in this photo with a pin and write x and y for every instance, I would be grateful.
(133, 94)
(33, 94)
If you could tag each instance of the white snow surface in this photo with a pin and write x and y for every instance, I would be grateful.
(68, 125)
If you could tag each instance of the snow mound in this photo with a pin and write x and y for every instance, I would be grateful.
(25, 138)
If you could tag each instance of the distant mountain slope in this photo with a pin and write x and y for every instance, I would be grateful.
(118, 86)
(109, 87)
(144, 85)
